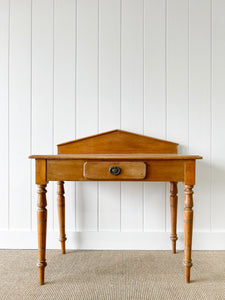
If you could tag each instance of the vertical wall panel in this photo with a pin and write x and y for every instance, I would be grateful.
(64, 90)
(87, 68)
(218, 124)
(177, 72)
(132, 103)
(200, 106)
(154, 68)
(177, 87)
(64, 70)
(132, 65)
(109, 64)
(87, 103)
(109, 103)
(4, 49)
(154, 104)
(42, 90)
(19, 114)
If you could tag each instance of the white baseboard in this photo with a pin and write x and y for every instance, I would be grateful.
(111, 240)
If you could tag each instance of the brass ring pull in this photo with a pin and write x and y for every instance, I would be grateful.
(115, 170)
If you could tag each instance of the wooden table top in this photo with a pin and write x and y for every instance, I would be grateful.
(122, 156)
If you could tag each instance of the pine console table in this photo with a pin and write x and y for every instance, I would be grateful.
(116, 156)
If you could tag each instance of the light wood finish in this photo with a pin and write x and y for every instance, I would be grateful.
(61, 214)
(189, 171)
(173, 213)
(100, 170)
(41, 227)
(114, 156)
(157, 170)
(165, 170)
(41, 171)
(117, 141)
(188, 227)
(140, 158)
(65, 170)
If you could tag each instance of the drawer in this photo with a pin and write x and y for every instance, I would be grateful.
(112, 170)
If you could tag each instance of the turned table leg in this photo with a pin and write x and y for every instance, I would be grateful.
(173, 213)
(188, 226)
(61, 214)
(41, 227)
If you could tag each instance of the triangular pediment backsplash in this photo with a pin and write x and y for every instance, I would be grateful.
(117, 141)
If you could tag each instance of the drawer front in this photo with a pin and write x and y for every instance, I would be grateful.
(112, 170)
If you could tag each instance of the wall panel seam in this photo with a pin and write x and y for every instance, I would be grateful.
(75, 94)
(166, 99)
(31, 108)
(143, 99)
(211, 106)
(188, 96)
(121, 3)
(98, 122)
(53, 101)
(9, 114)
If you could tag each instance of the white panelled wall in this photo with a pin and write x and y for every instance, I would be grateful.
(73, 68)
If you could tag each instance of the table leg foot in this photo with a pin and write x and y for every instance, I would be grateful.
(41, 276)
(61, 214)
(63, 247)
(187, 274)
(42, 272)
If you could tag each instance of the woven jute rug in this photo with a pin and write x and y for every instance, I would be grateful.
(112, 275)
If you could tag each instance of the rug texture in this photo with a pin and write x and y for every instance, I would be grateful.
(110, 275)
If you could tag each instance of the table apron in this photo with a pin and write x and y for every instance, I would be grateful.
(156, 170)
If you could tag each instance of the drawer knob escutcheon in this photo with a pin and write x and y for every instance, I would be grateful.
(115, 170)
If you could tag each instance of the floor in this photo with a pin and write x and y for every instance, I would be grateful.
(112, 275)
